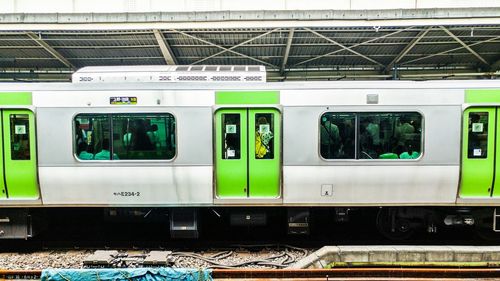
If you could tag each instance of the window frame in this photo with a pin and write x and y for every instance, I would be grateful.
(224, 138)
(272, 130)
(356, 136)
(468, 144)
(110, 117)
(12, 136)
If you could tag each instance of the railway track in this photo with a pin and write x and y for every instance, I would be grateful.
(322, 274)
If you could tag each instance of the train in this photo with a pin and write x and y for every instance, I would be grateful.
(184, 139)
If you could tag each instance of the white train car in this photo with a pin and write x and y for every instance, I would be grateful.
(188, 138)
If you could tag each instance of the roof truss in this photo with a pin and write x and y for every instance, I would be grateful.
(165, 49)
(287, 52)
(38, 39)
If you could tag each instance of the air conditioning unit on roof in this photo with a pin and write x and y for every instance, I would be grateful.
(170, 74)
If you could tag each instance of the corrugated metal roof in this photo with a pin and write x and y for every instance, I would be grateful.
(16, 40)
(316, 48)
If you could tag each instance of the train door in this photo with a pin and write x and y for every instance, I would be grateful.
(248, 153)
(18, 155)
(479, 153)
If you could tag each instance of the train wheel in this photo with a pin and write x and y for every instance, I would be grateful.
(393, 227)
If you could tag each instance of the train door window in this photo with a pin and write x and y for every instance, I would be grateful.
(478, 135)
(264, 134)
(144, 136)
(337, 135)
(92, 137)
(231, 134)
(19, 137)
(389, 135)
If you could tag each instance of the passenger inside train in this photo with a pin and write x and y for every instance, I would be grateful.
(389, 135)
(263, 137)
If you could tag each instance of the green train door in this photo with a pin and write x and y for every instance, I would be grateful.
(478, 152)
(248, 153)
(19, 178)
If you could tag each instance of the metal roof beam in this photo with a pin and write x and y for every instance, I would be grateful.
(237, 19)
(385, 56)
(236, 46)
(451, 50)
(405, 50)
(220, 47)
(165, 49)
(103, 47)
(51, 50)
(287, 50)
(465, 45)
(21, 47)
(344, 47)
(353, 46)
(262, 45)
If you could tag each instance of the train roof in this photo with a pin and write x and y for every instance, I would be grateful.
(391, 84)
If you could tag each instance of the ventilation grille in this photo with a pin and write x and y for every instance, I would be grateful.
(170, 74)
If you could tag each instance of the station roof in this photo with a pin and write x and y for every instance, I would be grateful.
(423, 46)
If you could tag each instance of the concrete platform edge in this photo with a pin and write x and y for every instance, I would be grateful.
(400, 254)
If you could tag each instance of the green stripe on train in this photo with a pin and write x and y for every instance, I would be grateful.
(16, 98)
(247, 97)
(482, 96)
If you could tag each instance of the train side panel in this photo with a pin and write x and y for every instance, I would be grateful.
(431, 179)
(127, 186)
(370, 185)
(185, 180)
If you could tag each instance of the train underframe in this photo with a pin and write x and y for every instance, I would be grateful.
(394, 223)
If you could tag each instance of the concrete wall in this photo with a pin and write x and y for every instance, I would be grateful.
(120, 6)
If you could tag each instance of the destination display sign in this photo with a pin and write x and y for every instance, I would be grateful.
(122, 100)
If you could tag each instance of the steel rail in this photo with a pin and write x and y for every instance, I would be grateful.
(20, 274)
(321, 274)
(358, 272)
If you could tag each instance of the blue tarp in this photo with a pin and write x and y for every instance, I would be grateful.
(135, 274)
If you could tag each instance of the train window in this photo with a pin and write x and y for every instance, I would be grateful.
(337, 135)
(264, 133)
(19, 137)
(92, 137)
(144, 136)
(478, 135)
(131, 137)
(389, 135)
(231, 136)
(380, 135)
